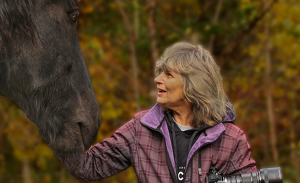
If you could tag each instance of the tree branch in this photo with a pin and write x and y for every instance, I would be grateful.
(132, 49)
(231, 48)
(215, 21)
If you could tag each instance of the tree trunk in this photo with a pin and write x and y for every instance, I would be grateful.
(62, 178)
(269, 91)
(136, 19)
(151, 5)
(214, 22)
(295, 160)
(133, 59)
(26, 170)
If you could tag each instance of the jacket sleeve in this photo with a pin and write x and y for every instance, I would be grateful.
(240, 161)
(110, 156)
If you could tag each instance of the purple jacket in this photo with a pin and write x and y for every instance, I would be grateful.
(144, 142)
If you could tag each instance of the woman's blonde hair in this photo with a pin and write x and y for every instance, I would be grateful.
(202, 81)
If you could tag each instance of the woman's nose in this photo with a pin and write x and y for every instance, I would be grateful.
(157, 80)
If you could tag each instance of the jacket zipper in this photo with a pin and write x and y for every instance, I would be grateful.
(200, 171)
(173, 174)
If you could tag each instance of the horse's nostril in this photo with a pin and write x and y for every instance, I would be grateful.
(83, 134)
(88, 130)
(80, 126)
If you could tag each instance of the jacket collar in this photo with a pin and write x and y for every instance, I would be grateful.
(230, 114)
(154, 117)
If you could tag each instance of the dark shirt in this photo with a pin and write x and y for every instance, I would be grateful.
(182, 142)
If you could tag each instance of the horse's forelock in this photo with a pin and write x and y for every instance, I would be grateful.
(16, 20)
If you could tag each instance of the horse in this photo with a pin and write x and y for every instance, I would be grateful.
(43, 71)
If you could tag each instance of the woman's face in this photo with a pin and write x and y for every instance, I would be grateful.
(170, 89)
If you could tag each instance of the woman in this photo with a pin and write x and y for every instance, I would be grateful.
(190, 129)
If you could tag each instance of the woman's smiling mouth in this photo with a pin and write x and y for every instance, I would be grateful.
(160, 91)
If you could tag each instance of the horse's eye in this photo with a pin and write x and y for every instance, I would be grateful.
(74, 15)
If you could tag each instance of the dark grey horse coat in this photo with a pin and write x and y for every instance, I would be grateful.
(42, 69)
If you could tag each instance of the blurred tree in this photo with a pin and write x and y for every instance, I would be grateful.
(234, 31)
(151, 22)
(271, 120)
(133, 38)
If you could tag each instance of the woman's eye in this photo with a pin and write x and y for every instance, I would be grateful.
(168, 74)
(74, 16)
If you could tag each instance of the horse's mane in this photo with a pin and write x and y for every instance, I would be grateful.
(16, 21)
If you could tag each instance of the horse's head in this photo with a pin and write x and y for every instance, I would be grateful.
(42, 69)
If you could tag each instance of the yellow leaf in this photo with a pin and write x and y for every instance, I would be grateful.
(88, 9)
(47, 178)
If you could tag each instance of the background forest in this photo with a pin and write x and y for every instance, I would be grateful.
(255, 43)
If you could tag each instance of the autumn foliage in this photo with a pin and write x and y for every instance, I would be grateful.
(255, 43)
